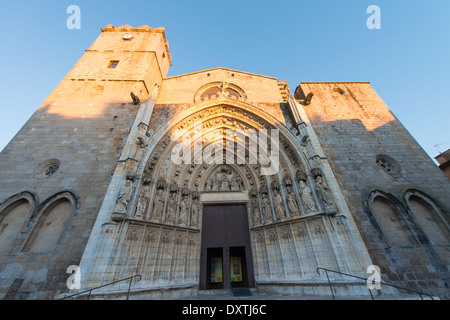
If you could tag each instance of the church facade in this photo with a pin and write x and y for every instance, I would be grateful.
(215, 179)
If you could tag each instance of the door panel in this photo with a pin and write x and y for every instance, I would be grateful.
(226, 227)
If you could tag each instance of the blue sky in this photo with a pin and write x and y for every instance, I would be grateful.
(406, 61)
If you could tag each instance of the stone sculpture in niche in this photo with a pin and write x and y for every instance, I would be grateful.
(224, 179)
(234, 184)
(173, 187)
(209, 185)
(195, 210)
(124, 198)
(182, 219)
(292, 204)
(158, 206)
(216, 182)
(275, 185)
(288, 183)
(255, 211)
(278, 204)
(300, 175)
(263, 189)
(171, 206)
(141, 142)
(225, 186)
(143, 201)
(323, 191)
(161, 184)
(239, 183)
(307, 198)
(267, 209)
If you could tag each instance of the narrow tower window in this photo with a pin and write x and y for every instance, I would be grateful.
(113, 64)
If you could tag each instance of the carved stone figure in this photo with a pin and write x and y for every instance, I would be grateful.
(239, 182)
(278, 205)
(323, 191)
(309, 98)
(209, 184)
(143, 201)
(230, 174)
(216, 182)
(255, 211)
(182, 219)
(173, 187)
(263, 189)
(195, 210)
(300, 176)
(307, 199)
(158, 206)
(288, 183)
(267, 209)
(141, 142)
(135, 98)
(234, 184)
(139, 150)
(225, 186)
(224, 179)
(146, 179)
(171, 206)
(275, 185)
(292, 204)
(124, 198)
(161, 184)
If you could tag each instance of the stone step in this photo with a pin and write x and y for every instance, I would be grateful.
(228, 295)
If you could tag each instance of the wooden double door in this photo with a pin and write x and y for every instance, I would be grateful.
(226, 258)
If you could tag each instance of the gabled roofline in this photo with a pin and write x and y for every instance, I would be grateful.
(220, 68)
(330, 82)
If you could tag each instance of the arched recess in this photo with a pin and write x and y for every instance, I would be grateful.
(13, 213)
(388, 215)
(205, 130)
(50, 221)
(428, 215)
(218, 89)
(164, 217)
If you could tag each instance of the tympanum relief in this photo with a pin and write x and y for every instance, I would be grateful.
(224, 178)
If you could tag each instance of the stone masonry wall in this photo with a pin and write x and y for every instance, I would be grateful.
(355, 129)
(84, 124)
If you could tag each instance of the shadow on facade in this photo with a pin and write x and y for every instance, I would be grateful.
(398, 197)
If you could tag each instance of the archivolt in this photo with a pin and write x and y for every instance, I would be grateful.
(25, 195)
(213, 118)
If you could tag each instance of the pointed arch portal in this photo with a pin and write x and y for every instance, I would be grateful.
(221, 195)
(226, 259)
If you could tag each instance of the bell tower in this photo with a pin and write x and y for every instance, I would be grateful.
(64, 157)
(137, 56)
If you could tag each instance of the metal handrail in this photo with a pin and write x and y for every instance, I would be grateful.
(105, 285)
(365, 281)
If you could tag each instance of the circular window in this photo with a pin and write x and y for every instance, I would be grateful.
(388, 165)
(50, 169)
(385, 165)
